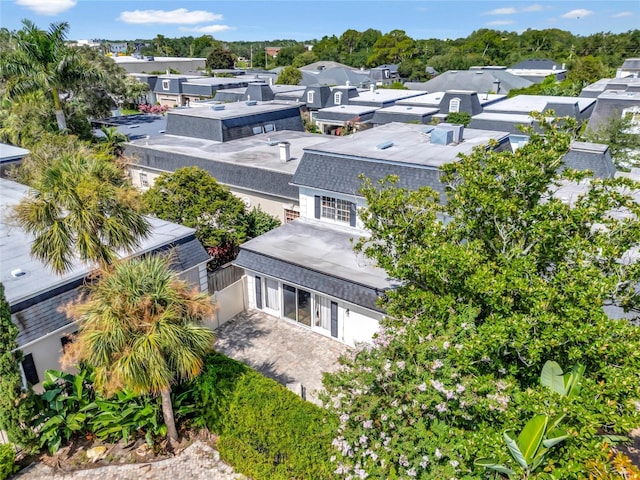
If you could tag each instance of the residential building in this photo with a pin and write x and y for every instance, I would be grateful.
(37, 296)
(149, 64)
(537, 69)
(306, 272)
(10, 156)
(478, 79)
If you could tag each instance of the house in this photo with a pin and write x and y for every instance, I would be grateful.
(258, 169)
(10, 156)
(511, 113)
(478, 79)
(306, 272)
(36, 294)
(537, 69)
(180, 90)
(615, 98)
(384, 74)
(148, 64)
(630, 68)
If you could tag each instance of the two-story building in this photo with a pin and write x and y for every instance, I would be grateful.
(306, 272)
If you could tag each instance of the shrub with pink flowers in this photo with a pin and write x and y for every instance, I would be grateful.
(156, 109)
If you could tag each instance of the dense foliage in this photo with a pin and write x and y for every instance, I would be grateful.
(265, 430)
(44, 78)
(7, 461)
(140, 329)
(81, 207)
(289, 76)
(17, 407)
(72, 408)
(191, 197)
(513, 278)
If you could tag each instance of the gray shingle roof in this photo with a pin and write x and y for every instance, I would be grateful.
(335, 174)
(477, 80)
(320, 282)
(590, 156)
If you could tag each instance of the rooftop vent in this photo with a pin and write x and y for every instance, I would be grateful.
(251, 102)
(17, 273)
(217, 107)
(384, 145)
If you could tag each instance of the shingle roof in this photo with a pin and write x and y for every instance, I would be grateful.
(335, 174)
(334, 286)
(476, 80)
(590, 156)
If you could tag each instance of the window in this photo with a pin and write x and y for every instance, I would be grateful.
(290, 215)
(144, 181)
(166, 84)
(271, 297)
(269, 128)
(29, 370)
(310, 97)
(257, 130)
(336, 209)
(337, 98)
(454, 105)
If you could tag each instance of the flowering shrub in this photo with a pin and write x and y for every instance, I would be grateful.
(154, 109)
(514, 278)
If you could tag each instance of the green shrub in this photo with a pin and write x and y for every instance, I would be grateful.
(7, 461)
(266, 431)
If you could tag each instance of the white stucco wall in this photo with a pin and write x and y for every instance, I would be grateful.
(358, 325)
(47, 352)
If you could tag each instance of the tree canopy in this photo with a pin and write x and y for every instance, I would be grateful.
(289, 76)
(497, 278)
(81, 208)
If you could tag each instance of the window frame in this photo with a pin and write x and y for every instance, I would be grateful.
(166, 84)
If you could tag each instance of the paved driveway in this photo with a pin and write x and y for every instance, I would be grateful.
(280, 350)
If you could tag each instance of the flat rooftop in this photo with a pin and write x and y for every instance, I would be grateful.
(10, 152)
(320, 247)
(258, 151)
(409, 110)
(383, 95)
(503, 117)
(411, 145)
(620, 95)
(537, 103)
(15, 247)
(230, 110)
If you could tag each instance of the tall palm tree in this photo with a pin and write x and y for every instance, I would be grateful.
(40, 60)
(140, 328)
(81, 207)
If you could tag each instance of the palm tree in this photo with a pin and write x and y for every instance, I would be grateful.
(140, 328)
(81, 207)
(40, 60)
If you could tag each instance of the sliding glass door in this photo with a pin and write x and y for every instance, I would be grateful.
(296, 304)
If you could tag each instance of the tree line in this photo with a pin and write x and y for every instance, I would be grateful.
(371, 47)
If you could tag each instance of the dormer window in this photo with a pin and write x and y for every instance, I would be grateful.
(454, 105)
(166, 84)
(310, 96)
(337, 98)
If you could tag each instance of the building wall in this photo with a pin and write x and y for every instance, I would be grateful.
(355, 324)
(229, 302)
(47, 352)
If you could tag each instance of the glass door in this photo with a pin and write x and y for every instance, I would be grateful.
(296, 304)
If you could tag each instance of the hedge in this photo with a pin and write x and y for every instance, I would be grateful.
(7, 461)
(265, 431)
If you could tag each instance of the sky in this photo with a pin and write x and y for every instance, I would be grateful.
(262, 20)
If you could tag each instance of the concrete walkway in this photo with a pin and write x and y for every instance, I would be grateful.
(288, 353)
(197, 462)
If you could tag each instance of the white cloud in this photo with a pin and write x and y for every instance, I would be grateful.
(501, 11)
(179, 16)
(207, 29)
(496, 23)
(48, 7)
(533, 8)
(580, 12)
(623, 14)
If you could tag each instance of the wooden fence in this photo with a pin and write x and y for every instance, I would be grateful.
(223, 277)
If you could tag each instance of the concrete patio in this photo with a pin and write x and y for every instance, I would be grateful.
(280, 350)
